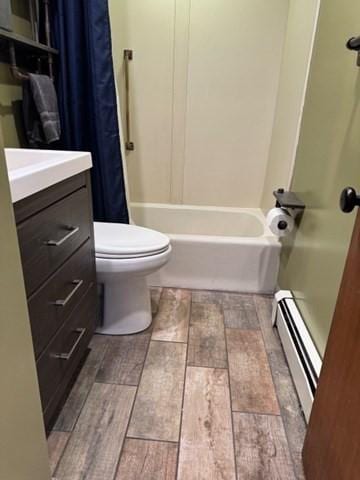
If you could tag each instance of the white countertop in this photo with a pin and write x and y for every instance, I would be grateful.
(33, 170)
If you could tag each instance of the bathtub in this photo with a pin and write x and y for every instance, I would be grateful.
(214, 248)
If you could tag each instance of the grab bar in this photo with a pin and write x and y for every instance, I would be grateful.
(128, 56)
(354, 44)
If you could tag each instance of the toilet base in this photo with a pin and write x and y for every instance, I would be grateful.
(127, 307)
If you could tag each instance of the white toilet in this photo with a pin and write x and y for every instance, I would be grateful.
(125, 255)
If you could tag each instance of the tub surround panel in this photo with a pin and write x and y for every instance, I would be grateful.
(148, 29)
(180, 93)
(203, 116)
(300, 31)
(232, 89)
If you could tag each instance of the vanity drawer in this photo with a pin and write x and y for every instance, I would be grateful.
(48, 238)
(50, 306)
(63, 354)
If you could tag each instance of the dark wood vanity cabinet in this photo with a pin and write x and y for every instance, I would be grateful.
(55, 231)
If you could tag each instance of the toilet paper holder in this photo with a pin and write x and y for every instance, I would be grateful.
(289, 202)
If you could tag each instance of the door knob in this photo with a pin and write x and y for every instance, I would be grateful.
(349, 200)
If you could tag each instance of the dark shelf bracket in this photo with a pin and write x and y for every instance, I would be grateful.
(16, 73)
(289, 201)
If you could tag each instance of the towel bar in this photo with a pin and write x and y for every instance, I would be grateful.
(16, 72)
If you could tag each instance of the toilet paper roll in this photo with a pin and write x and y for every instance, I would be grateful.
(280, 222)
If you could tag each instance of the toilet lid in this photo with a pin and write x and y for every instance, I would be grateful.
(119, 240)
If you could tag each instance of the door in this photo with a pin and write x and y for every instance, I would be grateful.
(332, 444)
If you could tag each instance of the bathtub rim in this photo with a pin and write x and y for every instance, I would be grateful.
(258, 213)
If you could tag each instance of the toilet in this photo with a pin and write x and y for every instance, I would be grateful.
(125, 255)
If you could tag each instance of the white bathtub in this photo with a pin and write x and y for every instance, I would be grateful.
(214, 248)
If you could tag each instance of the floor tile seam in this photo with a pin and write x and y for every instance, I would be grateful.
(231, 411)
(183, 392)
(256, 412)
(242, 328)
(149, 439)
(206, 366)
(167, 341)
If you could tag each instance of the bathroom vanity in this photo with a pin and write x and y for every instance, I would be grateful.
(55, 232)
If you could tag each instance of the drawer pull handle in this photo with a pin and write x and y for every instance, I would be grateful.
(54, 243)
(62, 303)
(67, 356)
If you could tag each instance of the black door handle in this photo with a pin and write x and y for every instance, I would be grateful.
(349, 199)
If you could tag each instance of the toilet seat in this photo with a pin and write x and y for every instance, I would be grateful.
(123, 241)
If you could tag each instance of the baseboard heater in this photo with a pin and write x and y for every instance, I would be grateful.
(300, 351)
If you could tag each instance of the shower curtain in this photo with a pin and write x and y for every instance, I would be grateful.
(87, 99)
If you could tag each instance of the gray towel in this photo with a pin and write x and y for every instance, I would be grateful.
(45, 99)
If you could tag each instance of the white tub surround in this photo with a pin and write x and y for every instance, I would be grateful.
(213, 248)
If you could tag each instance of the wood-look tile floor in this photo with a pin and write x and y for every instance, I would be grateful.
(204, 394)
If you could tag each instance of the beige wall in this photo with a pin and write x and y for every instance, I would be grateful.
(10, 110)
(233, 75)
(293, 78)
(328, 159)
(204, 83)
(23, 451)
(10, 89)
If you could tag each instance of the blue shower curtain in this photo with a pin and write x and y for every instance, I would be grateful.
(87, 99)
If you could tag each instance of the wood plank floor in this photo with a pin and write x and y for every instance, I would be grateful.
(206, 444)
(252, 388)
(205, 393)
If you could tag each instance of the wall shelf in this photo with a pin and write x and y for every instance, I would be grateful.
(23, 44)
